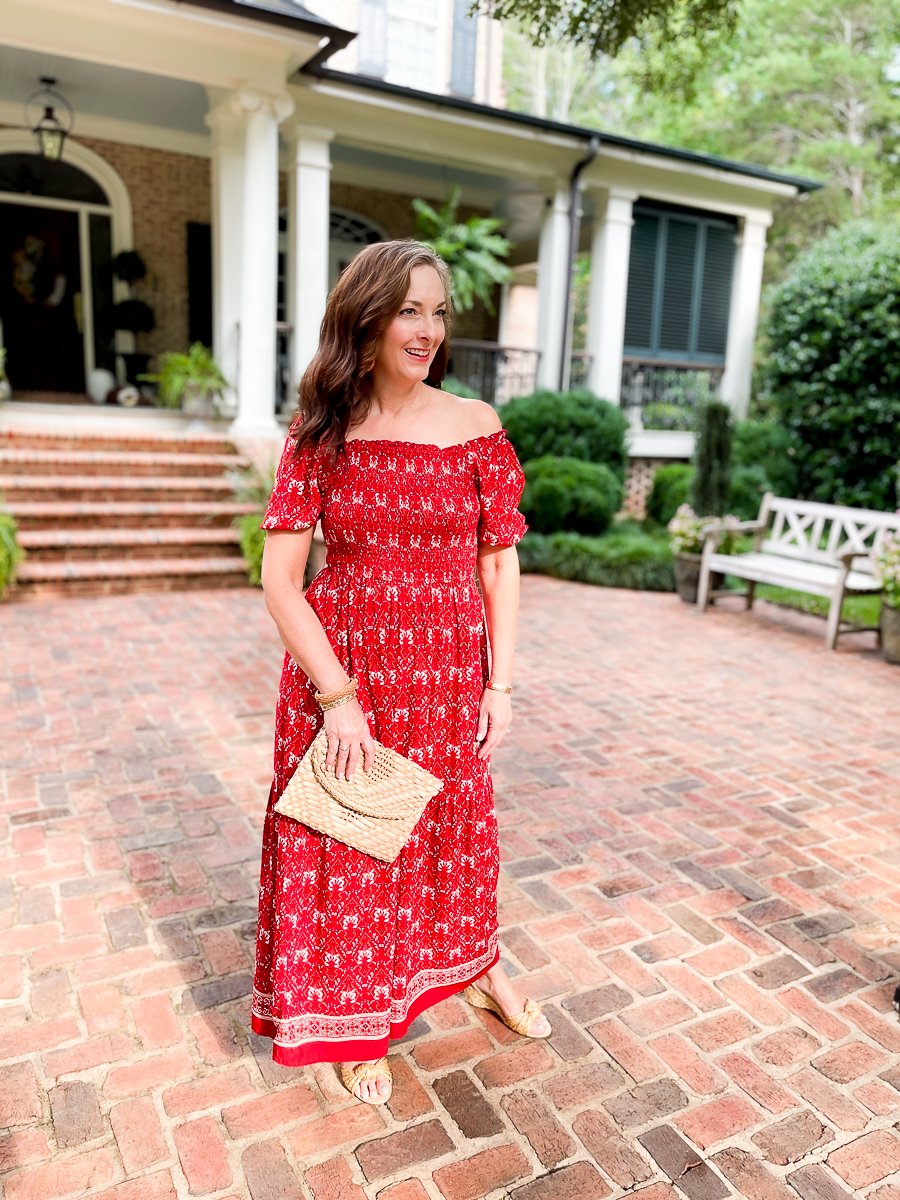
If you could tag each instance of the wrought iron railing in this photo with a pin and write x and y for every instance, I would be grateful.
(285, 397)
(579, 369)
(496, 373)
(665, 395)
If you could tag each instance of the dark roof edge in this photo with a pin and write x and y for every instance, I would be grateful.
(610, 139)
(318, 26)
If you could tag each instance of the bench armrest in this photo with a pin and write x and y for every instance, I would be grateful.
(715, 531)
(849, 556)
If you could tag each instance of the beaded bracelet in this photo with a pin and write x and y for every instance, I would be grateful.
(327, 704)
(496, 687)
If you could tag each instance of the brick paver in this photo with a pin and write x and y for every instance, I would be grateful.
(700, 838)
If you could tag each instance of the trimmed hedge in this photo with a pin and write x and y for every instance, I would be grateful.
(568, 493)
(570, 425)
(671, 488)
(831, 372)
(624, 558)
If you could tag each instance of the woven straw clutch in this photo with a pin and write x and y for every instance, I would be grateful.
(375, 812)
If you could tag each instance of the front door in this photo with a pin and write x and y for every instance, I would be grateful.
(40, 298)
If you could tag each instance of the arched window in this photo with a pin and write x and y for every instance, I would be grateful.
(350, 233)
(31, 175)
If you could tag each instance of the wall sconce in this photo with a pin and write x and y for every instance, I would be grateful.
(49, 131)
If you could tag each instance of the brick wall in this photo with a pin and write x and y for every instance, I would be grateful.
(167, 191)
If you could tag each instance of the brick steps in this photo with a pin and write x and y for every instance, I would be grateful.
(44, 488)
(124, 516)
(39, 461)
(55, 545)
(108, 512)
(126, 443)
(108, 577)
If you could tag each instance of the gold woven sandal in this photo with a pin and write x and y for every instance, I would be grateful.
(521, 1023)
(364, 1073)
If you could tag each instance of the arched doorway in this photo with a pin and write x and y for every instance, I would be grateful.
(349, 234)
(60, 226)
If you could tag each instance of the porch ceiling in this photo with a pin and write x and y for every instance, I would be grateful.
(105, 91)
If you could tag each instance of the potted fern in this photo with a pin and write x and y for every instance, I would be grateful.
(887, 568)
(193, 382)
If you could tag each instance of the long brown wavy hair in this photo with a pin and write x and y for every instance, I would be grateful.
(336, 390)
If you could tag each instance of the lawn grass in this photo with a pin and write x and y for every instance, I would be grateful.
(858, 610)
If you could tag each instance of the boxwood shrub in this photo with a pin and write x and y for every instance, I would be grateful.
(568, 493)
(626, 557)
(568, 424)
(831, 373)
(671, 488)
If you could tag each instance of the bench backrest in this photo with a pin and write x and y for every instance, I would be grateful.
(821, 533)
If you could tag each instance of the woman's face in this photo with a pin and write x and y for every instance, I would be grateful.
(411, 339)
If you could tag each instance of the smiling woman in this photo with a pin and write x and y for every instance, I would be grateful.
(417, 490)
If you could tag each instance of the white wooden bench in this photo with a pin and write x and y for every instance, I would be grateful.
(822, 549)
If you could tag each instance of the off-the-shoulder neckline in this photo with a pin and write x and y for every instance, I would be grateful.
(485, 437)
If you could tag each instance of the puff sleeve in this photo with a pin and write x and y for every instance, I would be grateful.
(500, 482)
(295, 502)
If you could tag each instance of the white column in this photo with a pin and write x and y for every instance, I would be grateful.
(746, 286)
(227, 232)
(309, 223)
(553, 274)
(259, 261)
(610, 252)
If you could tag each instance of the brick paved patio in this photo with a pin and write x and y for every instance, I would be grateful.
(701, 843)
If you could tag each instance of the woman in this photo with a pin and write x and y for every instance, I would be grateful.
(415, 488)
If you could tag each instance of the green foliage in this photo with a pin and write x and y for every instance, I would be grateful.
(134, 315)
(832, 368)
(671, 488)
(11, 553)
(472, 250)
(570, 425)
(253, 487)
(605, 26)
(198, 369)
(569, 493)
(253, 542)
(763, 459)
(457, 388)
(624, 557)
(712, 459)
(2, 363)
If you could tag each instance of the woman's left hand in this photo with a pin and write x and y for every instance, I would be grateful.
(494, 718)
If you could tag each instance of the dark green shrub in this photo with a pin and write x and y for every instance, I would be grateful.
(568, 493)
(832, 368)
(569, 425)
(671, 488)
(457, 387)
(11, 553)
(252, 541)
(625, 557)
(765, 444)
(748, 486)
(712, 459)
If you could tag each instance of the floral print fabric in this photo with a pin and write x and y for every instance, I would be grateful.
(349, 949)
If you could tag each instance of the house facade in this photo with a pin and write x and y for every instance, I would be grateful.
(247, 149)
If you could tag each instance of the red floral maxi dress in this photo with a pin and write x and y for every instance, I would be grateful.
(350, 950)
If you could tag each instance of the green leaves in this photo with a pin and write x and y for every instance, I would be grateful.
(570, 494)
(177, 372)
(11, 553)
(604, 26)
(472, 249)
(832, 367)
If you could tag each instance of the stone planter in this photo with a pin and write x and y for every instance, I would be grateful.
(890, 632)
(200, 405)
(687, 577)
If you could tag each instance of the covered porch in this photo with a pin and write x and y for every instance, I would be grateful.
(247, 174)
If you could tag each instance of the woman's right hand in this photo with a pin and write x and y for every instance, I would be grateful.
(349, 738)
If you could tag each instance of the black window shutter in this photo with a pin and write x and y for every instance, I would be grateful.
(465, 44)
(678, 286)
(718, 265)
(199, 256)
(372, 38)
(641, 282)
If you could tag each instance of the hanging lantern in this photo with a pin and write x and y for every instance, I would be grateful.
(50, 131)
